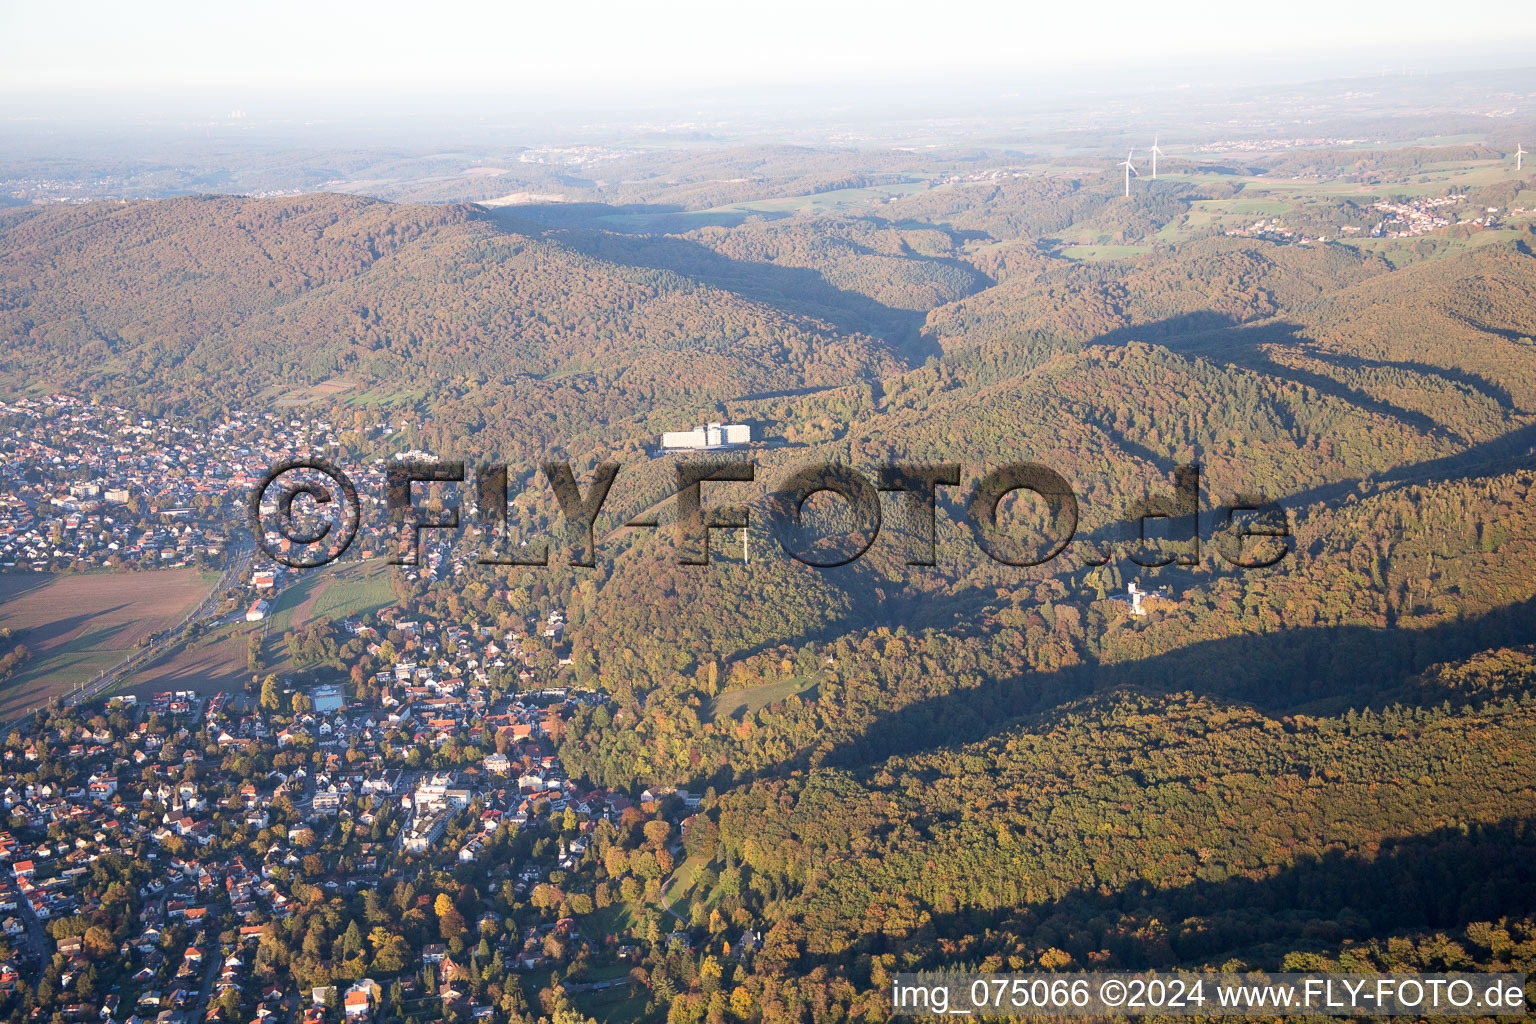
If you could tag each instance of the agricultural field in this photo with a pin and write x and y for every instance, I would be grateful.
(77, 625)
(212, 663)
(326, 390)
(219, 659)
(1402, 251)
(1223, 214)
(1322, 209)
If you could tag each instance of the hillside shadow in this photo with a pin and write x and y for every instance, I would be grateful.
(1498, 455)
(799, 290)
(1491, 390)
(1220, 339)
(958, 235)
(1322, 670)
(1513, 450)
(1438, 881)
(627, 218)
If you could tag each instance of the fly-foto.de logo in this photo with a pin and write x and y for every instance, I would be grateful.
(306, 512)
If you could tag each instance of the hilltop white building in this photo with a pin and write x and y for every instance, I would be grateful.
(711, 435)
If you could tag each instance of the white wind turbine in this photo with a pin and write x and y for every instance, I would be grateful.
(1155, 154)
(1130, 169)
(1519, 155)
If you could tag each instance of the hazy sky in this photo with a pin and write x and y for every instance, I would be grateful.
(283, 48)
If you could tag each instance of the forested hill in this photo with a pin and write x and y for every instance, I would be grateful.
(487, 324)
(1302, 373)
(1326, 761)
(254, 299)
(1150, 832)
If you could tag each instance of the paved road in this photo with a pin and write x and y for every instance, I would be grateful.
(36, 935)
(215, 954)
(679, 858)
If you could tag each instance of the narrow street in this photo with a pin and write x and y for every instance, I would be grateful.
(38, 939)
(213, 951)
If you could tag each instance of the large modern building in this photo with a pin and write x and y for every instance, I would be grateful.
(439, 793)
(711, 435)
(423, 831)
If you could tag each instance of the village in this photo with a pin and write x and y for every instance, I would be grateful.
(217, 827)
(227, 813)
(84, 486)
(1410, 217)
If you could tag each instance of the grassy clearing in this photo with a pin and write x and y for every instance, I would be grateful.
(338, 591)
(735, 703)
(614, 919)
(681, 882)
(359, 589)
(611, 1006)
(379, 397)
(1099, 253)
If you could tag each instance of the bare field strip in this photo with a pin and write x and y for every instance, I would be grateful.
(77, 625)
(214, 663)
